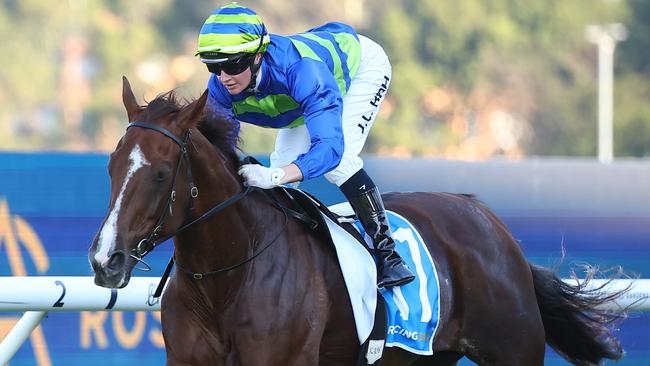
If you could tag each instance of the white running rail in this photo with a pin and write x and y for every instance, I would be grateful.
(36, 296)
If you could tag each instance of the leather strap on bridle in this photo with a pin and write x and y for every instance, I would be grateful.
(151, 242)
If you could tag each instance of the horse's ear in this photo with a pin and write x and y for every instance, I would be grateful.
(190, 114)
(131, 105)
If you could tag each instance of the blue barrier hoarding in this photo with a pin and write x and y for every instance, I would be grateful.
(52, 204)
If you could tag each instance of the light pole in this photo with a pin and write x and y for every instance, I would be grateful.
(605, 37)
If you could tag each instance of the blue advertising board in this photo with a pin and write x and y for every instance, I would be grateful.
(51, 205)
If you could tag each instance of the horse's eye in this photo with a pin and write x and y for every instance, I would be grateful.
(162, 173)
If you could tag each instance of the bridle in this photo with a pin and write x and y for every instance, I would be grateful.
(149, 243)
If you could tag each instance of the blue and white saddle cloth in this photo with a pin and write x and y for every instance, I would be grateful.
(413, 309)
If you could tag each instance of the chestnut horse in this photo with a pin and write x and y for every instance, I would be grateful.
(256, 287)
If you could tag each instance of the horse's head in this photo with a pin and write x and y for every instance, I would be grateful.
(150, 163)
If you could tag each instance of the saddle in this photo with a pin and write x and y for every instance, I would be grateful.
(407, 316)
(308, 209)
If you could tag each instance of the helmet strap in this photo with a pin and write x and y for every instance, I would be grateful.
(255, 68)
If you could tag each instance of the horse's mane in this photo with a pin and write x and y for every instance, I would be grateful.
(222, 133)
(214, 125)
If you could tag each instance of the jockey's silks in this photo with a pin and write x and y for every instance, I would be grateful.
(303, 80)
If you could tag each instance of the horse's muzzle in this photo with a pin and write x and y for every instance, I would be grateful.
(115, 273)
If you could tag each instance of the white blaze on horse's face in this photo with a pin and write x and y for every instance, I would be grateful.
(108, 233)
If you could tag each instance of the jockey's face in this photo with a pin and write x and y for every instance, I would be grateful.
(239, 82)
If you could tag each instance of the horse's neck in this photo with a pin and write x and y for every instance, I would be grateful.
(230, 236)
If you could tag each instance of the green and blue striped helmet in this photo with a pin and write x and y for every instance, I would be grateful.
(233, 29)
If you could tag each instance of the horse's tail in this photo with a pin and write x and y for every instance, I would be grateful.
(576, 326)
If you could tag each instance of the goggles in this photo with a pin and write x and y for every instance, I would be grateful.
(231, 67)
(237, 65)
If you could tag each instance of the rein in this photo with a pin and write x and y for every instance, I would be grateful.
(198, 275)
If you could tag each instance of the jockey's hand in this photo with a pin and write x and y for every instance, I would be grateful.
(261, 176)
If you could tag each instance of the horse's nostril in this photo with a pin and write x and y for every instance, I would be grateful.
(116, 261)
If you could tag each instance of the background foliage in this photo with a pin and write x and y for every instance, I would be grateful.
(472, 79)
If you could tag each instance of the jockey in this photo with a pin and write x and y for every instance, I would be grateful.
(322, 89)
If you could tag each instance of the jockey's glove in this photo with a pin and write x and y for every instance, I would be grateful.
(261, 176)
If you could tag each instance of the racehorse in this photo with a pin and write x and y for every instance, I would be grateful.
(256, 287)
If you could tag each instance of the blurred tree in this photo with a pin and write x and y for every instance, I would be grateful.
(632, 89)
(529, 60)
(471, 78)
(634, 51)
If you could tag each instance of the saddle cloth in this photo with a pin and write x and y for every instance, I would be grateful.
(413, 309)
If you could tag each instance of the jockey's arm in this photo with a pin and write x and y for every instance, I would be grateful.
(291, 174)
(313, 86)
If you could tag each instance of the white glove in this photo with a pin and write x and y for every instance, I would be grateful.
(261, 176)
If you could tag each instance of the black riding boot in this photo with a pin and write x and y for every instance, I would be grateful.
(369, 207)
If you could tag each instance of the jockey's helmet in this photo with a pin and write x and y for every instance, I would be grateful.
(232, 31)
